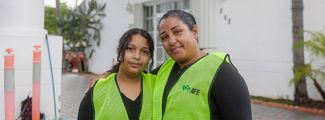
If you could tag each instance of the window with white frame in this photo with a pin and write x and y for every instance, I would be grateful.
(153, 11)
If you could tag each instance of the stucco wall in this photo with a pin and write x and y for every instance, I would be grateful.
(115, 23)
(22, 27)
(258, 38)
(23, 50)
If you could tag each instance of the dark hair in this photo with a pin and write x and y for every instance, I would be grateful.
(185, 17)
(123, 43)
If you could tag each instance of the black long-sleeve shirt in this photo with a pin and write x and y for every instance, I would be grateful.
(229, 97)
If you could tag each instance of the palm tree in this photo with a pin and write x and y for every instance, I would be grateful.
(300, 92)
(58, 15)
(81, 29)
(316, 48)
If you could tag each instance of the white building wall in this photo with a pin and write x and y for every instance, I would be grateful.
(115, 23)
(22, 27)
(258, 38)
(23, 50)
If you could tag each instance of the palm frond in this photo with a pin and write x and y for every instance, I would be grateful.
(81, 26)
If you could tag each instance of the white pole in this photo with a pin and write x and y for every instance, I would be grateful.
(9, 85)
(36, 82)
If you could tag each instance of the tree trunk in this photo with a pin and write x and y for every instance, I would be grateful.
(85, 65)
(83, 62)
(58, 16)
(58, 28)
(300, 95)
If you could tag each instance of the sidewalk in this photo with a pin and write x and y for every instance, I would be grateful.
(74, 85)
(73, 90)
(269, 113)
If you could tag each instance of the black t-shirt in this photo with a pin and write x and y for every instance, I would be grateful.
(86, 108)
(228, 98)
(133, 108)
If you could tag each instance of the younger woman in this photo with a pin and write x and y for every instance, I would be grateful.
(126, 92)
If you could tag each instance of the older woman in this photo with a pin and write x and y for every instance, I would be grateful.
(194, 84)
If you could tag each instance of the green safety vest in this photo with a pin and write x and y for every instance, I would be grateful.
(108, 103)
(188, 99)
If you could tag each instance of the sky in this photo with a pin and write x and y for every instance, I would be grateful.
(70, 3)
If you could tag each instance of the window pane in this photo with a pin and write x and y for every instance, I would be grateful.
(152, 15)
(158, 39)
(157, 33)
(151, 11)
(164, 7)
(157, 22)
(178, 5)
(146, 25)
(186, 4)
(150, 33)
(166, 56)
(149, 25)
(160, 56)
(148, 11)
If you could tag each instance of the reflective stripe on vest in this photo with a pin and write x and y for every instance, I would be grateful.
(108, 103)
(188, 99)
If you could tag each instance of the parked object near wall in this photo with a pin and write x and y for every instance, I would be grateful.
(81, 31)
(26, 110)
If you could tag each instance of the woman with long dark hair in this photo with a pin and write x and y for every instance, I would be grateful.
(125, 92)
